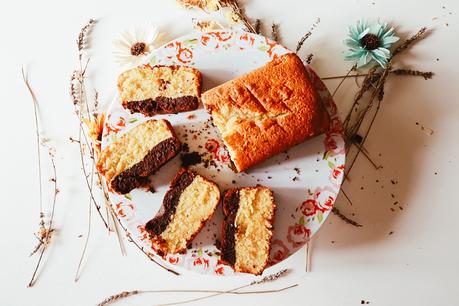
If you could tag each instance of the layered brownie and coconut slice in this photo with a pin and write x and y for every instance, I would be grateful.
(266, 111)
(160, 89)
(247, 228)
(190, 201)
(131, 159)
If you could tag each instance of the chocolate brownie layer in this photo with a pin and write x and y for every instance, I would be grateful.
(159, 223)
(130, 159)
(137, 175)
(163, 105)
(189, 203)
(160, 89)
(230, 207)
(248, 228)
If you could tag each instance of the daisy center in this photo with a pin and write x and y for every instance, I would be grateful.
(370, 41)
(138, 48)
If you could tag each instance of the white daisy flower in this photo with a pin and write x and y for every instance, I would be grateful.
(133, 46)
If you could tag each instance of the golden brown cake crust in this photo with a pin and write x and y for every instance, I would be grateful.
(266, 111)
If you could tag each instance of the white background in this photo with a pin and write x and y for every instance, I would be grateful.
(417, 265)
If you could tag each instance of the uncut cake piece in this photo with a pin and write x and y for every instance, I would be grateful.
(190, 201)
(131, 159)
(266, 111)
(247, 228)
(160, 89)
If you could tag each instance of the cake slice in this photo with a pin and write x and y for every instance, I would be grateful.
(190, 201)
(130, 160)
(160, 89)
(247, 228)
(266, 111)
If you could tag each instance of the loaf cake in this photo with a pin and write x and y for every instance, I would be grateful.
(160, 89)
(190, 201)
(131, 159)
(266, 111)
(247, 228)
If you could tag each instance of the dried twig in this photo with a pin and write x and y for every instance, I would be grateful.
(125, 294)
(44, 234)
(407, 43)
(265, 279)
(257, 26)
(88, 233)
(275, 32)
(344, 218)
(81, 41)
(237, 9)
(303, 39)
(342, 81)
(425, 74)
(309, 58)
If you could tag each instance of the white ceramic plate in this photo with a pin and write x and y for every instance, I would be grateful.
(305, 180)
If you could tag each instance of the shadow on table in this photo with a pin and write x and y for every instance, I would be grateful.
(381, 198)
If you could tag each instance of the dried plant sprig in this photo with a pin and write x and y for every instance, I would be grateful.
(407, 43)
(268, 278)
(338, 213)
(87, 115)
(45, 232)
(257, 26)
(237, 9)
(303, 39)
(275, 32)
(122, 295)
(88, 233)
(425, 74)
(309, 58)
(81, 41)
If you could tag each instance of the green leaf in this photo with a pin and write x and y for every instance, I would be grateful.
(190, 41)
(331, 165)
(128, 196)
(320, 216)
(263, 48)
(301, 222)
(326, 153)
(200, 252)
(133, 120)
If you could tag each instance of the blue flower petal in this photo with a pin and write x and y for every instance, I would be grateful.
(365, 32)
(363, 60)
(389, 40)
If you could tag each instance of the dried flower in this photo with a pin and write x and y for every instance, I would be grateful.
(96, 127)
(369, 42)
(232, 18)
(206, 5)
(132, 47)
(206, 25)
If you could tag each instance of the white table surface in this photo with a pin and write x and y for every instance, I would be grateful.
(417, 265)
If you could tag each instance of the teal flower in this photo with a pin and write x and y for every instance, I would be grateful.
(369, 42)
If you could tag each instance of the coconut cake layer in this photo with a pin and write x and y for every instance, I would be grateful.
(188, 204)
(160, 89)
(129, 160)
(248, 228)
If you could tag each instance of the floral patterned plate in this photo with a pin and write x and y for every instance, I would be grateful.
(305, 180)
